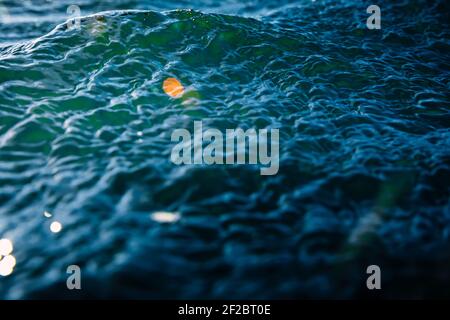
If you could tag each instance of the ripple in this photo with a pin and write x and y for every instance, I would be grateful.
(85, 129)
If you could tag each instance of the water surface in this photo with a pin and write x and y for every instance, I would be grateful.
(364, 145)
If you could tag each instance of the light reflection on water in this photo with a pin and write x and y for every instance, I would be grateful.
(7, 260)
(165, 217)
(55, 227)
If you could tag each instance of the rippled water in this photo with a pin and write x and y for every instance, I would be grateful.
(364, 145)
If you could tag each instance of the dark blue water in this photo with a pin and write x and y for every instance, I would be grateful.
(364, 120)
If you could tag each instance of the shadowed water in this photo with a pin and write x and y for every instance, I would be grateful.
(364, 152)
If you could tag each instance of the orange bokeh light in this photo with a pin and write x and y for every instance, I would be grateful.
(173, 87)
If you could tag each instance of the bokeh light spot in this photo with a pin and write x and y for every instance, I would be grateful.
(6, 247)
(5, 268)
(165, 217)
(55, 227)
(173, 87)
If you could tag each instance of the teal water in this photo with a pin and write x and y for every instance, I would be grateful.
(364, 150)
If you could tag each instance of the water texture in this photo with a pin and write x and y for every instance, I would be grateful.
(364, 120)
